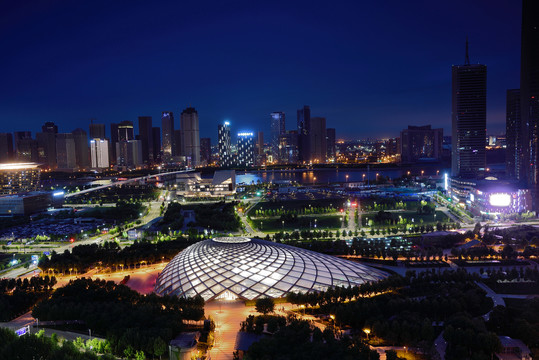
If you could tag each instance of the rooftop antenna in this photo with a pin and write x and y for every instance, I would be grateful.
(467, 60)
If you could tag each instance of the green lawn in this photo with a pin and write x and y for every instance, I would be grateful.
(302, 223)
(298, 204)
(409, 215)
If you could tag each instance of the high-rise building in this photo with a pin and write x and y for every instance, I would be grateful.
(6, 147)
(512, 131)
(178, 142)
(49, 127)
(224, 148)
(259, 150)
(82, 156)
(205, 151)
(97, 131)
(246, 149)
(288, 145)
(278, 127)
(156, 142)
(16, 178)
(191, 135)
(25, 147)
(167, 127)
(99, 152)
(129, 154)
(304, 123)
(113, 142)
(146, 139)
(317, 140)
(469, 119)
(331, 152)
(65, 152)
(529, 98)
(420, 142)
(126, 131)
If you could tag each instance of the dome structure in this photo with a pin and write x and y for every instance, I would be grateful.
(244, 268)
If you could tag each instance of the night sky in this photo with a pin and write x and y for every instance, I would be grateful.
(370, 67)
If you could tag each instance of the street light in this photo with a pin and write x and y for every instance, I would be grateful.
(367, 331)
(346, 177)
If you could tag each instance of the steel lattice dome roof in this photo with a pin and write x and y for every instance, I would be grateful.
(240, 267)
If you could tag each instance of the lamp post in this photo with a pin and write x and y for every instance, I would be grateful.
(367, 331)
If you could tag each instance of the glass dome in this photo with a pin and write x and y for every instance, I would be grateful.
(244, 268)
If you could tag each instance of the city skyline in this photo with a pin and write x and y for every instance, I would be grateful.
(323, 64)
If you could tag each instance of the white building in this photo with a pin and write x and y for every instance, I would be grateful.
(99, 153)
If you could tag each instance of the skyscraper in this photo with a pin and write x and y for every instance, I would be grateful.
(178, 141)
(277, 129)
(304, 123)
(420, 142)
(246, 149)
(224, 148)
(126, 131)
(146, 139)
(82, 156)
(6, 147)
(65, 152)
(512, 132)
(167, 127)
(529, 98)
(25, 146)
(205, 151)
(46, 143)
(191, 135)
(469, 119)
(330, 142)
(317, 140)
(156, 142)
(99, 152)
(113, 142)
(97, 131)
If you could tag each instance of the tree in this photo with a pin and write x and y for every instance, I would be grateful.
(265, 305)
(159, 347)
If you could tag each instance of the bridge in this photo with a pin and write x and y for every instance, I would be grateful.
(125, 182)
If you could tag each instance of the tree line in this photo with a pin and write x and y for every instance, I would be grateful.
(130, 321)
(19, 296)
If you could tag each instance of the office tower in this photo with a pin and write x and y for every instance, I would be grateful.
(288, 145)
(65, 152)
(167, 127)
(246, 149)
(82, 156)
(512, 132)
(6, 147)
(145, 136)
(156, 142)
(177, 143)
(49, 127)
(529, 98)
(97, 131)
(191, 135)
(224, 148)
(469, 119)
(205, 151)
(25, 147)
(99, 152)
(419, 142)
(112, 143)
(129, 154)
(304, 122)
(277, 129)
(126, 131)
(317, 140)
(259, 149)
(330, 142)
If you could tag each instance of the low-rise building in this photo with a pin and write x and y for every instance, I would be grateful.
(29, 203)
(193, 185)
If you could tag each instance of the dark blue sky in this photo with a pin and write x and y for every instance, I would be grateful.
(370, 67)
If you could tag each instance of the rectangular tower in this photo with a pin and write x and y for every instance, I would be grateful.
(190, 135)
(278, 128)
(469, 119)
(146, 139)
(225, 151)
(167, 127)
(512, 132)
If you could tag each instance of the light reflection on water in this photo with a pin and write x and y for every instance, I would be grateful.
(319, 176)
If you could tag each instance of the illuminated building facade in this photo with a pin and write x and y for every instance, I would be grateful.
(167, 128)
(420, 143)
(224, 146)
(469, 119)
(99, 153)
(190, 136)
(246, 149)
(278, 127)
(19, 177)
